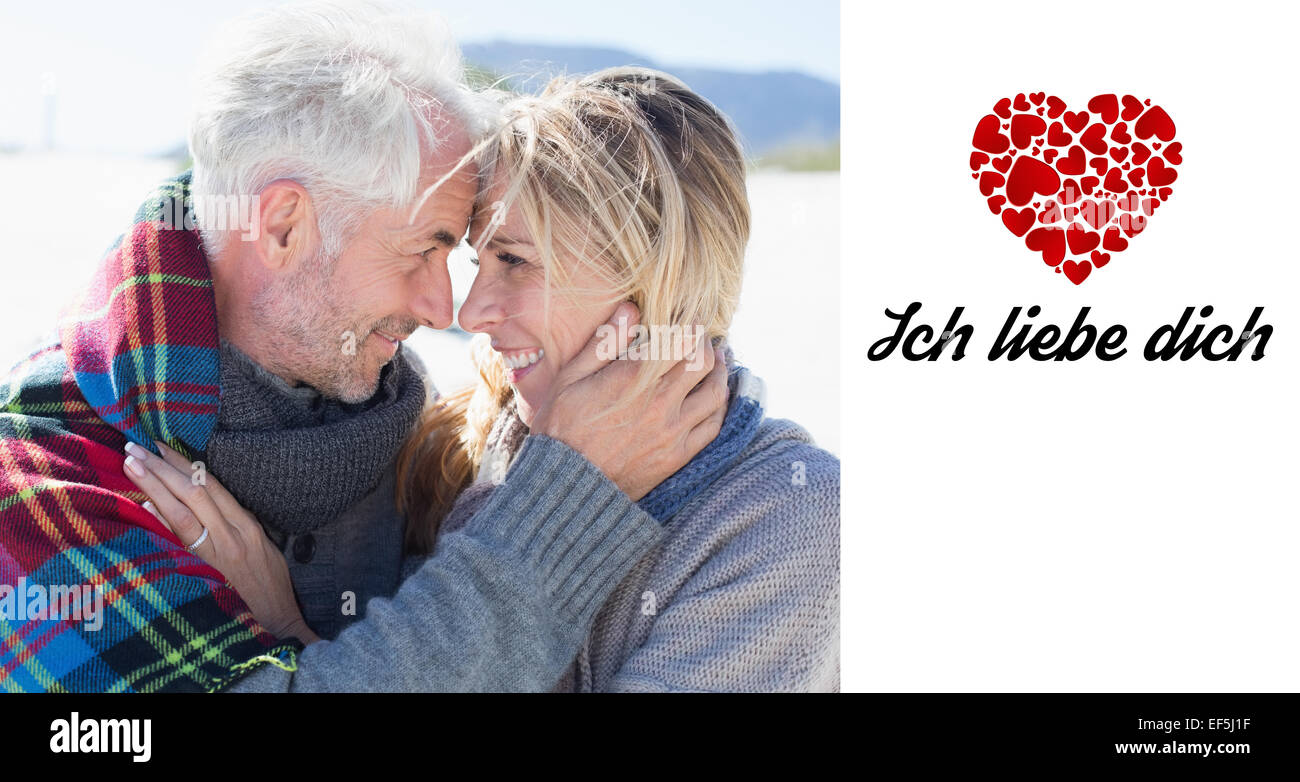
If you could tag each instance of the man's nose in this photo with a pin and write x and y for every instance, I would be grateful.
(480, 311)
(432, 304)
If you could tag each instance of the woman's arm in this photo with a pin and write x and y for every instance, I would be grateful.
(506, 601)
(502, 605)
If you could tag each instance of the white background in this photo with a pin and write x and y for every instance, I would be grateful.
(1071, 526)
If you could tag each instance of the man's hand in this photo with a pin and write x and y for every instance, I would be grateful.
(647, 437)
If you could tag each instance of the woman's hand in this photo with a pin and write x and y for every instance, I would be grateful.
(229, 538)
(647, 438)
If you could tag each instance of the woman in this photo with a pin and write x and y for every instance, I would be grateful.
(626, 186)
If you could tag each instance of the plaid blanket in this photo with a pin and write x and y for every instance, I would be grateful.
(95, 594)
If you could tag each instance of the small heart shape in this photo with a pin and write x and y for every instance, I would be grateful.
(1107, 106)
(1132, 110)
(1077, 272)
(1018, 222)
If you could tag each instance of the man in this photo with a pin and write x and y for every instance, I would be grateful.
(268, 351)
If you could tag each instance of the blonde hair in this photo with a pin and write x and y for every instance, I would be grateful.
(630, 173)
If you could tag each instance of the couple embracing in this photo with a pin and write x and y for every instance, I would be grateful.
(230, 442)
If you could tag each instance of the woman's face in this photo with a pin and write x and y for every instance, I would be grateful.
(508, 302)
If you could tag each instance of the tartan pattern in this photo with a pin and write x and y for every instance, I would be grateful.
(137, 357)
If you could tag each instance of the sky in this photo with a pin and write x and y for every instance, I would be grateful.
(120, 71)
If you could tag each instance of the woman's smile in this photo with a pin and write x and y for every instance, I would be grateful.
(520, 361)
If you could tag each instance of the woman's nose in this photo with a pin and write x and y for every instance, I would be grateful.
(480, 311)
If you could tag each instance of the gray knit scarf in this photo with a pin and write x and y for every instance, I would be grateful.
(297, 460)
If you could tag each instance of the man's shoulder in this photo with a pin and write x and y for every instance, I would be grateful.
(41, 402)
(70, 519)
(53, 443)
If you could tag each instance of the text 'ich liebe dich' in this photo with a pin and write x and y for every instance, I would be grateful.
(1020, 335)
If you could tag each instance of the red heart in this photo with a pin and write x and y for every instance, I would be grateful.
(1159, 174)
(1155, 122)
(1077, 272)
(1019, 222)
(1024, 127)
(987, 137)
(1112, 241)
(1074, 161)
(1084, 219)
(1081, 240)
(1069, 192)
(1098, 213)
(1114, 182)
(1132, 109)
(1075, 122)
(1029, 176)
(1107, 106)
(1049, 241)
(990, 181)
(1094, 139)
(1132, 224)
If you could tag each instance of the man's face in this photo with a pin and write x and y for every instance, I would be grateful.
(343, 319)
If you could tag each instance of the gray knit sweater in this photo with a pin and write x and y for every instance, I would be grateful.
(741, 594)
(506, 601)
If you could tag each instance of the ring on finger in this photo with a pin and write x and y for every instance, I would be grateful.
(190, 548)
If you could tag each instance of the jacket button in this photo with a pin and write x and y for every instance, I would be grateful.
(304, 548)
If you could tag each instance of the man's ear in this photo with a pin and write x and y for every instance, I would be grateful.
(288, 224)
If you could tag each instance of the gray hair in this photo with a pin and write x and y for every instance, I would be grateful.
(336, 96)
